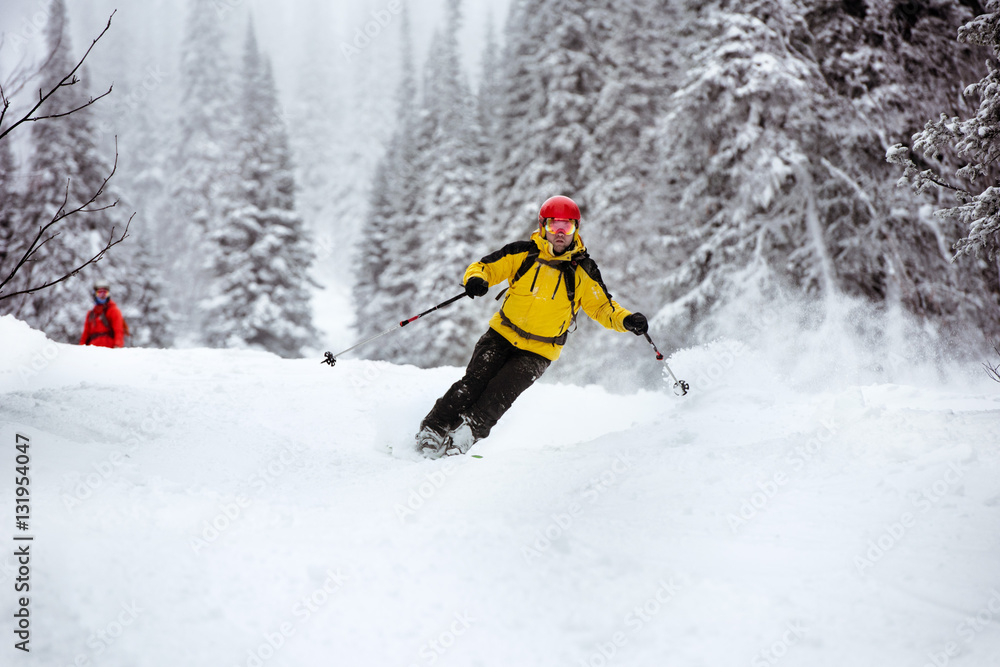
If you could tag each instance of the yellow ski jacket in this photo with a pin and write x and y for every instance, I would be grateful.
(537, 312)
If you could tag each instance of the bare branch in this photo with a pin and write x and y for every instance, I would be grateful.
(19, 75)
(112, 242)
(82, 106)
(19, 79)
(5, 104)
(43, 236)
(67, 80)
(993, 371)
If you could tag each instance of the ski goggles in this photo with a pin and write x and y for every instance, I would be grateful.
(554, 226)
(101, 292)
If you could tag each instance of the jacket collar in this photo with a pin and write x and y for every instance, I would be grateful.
(546, 251)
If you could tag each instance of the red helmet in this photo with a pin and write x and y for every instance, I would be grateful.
(559, 207)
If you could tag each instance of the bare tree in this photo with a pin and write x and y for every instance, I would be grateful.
(49, 230)
(45, 234)
(993, 371)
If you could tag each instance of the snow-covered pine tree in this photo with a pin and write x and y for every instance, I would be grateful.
(65, 165)
(876, 54)
(448, 231)
(341, 125)
(318, 112)
(10, 197)
(752, 161)
(140, 295)
(392, 210)
(144, 138)
(896, 65)
(638, 42)
(489, 94)
(202, 167)
(976, 140)
(550, 83)
(260, 256)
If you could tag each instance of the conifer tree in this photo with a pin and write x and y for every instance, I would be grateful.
(202, 167)
(740, 208)
(392, 211)
(549, 85)
(9, 220)
(637, 47)
(640, 42)
(65, 166)
(896, 65)
(975, 140)
(448, 229)
(489, 94)
(260, 257)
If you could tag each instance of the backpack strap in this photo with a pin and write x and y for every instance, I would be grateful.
(589, 267)
(567, 271)
(555, 340)
(104, 320)
(526, 264)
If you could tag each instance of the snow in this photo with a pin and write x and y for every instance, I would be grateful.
(219, 507)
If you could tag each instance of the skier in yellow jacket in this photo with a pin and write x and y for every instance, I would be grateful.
(550, 279)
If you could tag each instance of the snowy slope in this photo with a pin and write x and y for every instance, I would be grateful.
(224, 508)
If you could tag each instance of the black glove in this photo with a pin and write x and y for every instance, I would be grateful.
(636, 323)
(476, 286)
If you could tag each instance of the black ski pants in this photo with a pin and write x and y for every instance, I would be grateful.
(497, 374)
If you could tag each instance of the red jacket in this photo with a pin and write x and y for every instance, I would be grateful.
(104, 326)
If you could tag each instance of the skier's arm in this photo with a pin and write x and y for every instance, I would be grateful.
(599, 305)
(500, 265)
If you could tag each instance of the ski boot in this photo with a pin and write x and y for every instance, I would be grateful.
(431, 444)
(462, 439)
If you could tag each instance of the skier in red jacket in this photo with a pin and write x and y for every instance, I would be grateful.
(104, 326)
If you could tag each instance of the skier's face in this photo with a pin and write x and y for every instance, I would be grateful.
(560, 241)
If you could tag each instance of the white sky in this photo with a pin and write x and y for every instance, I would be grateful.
(281, 27)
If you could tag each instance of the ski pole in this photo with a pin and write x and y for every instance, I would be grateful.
(331, 359)
(678, 384)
